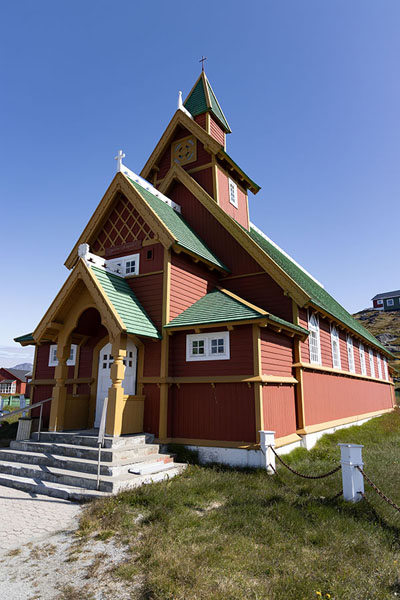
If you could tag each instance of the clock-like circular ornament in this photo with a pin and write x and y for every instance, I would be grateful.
(184, 151)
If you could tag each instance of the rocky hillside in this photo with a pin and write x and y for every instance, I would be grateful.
(385, 326)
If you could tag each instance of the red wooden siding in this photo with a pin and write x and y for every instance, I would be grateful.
(43, 371)
(201, 120)
(304, 346)
(240, 362)
(216, 132)
(151, 408)
(199, 411)
(189, 283)
(42, 392)
(356, 350)
(164, 163)
(149, 291)
(205, 179)
(262, 291)
(276, 353)
(279, 409)
(240, 214)
(329, 397)
(212, 232)
(344, 360)
(152, 358)
(325, 339)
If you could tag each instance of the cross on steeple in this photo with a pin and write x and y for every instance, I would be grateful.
(119, 158)
(203, 58)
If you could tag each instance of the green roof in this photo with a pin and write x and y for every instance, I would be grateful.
(219, 307)
(319, 296)
(28, 337)
(202, 99)
(184, 235)
(124, 301)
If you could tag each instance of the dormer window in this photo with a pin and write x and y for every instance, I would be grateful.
(233, 195)
(124, 266)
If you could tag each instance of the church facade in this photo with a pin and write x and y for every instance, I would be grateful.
(191, 321)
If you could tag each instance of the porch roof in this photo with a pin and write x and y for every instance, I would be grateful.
(125, 303)
(221, 306)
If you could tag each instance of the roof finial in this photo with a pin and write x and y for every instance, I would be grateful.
(119, 158)
(180, 102)
(203, 58)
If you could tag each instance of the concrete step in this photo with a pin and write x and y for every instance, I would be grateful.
(152, 467)
(128, 453)
(85, 439)
(34, 485)
(118, 466)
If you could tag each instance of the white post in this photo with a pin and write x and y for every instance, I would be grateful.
(353, 481)
(267, 439)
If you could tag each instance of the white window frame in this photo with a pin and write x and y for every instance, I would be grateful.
(350, 354)
(362, 359)
(378, 360)
(233, 193)
(390, 302)
(315, 353)
(385, 369)
(8, 388)
(371, 362)
(120, 266)
(335, 344)
(207, 338)
(53, 362)
(379, 302)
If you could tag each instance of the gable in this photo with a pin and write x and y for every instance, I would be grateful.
(123, 225)
(201, 156)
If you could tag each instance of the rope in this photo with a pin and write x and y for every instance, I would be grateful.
(335, 470)
(377, 490)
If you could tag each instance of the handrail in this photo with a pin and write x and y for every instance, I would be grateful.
(100, 438)
(27, 409)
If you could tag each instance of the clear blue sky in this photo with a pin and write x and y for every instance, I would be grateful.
(311, 90)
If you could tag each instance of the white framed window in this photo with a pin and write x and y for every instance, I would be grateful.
(53, 362)
(350, 354)
(336, 363)
(233, 195)
(362, 359)
(390, 302)
(385, 369)
(379, 302)
(125, 265)
(208, 346)
(314, 339)
(371, 362)
(8, 387)
(378, 360)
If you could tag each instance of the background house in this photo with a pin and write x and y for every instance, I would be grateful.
(387, 301)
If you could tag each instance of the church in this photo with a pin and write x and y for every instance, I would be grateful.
(191, 321)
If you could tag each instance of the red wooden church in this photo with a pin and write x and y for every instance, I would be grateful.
(196, 326)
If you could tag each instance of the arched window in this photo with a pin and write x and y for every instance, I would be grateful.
(362, 359)
(336, 363)
(314, 339)
(371, 362)
(350, 354)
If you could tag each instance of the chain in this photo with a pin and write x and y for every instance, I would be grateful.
(329, 498)
(335, 470)
(377, 490)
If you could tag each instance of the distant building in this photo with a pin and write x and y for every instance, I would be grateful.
(387, 301)
(13, 381)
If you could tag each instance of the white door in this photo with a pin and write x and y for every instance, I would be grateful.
(104, 380)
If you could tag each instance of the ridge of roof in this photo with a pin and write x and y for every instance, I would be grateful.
(124, 301)
(183, 233)
(18, 373)
(318, 295)
(202, 98)
(395, 294)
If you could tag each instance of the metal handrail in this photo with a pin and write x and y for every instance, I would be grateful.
(100, 438)
(27, 409)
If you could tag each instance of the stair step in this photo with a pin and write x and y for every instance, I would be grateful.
(152, 467)
(82, 439)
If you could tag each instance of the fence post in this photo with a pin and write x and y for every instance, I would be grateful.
(352, 479)
(267, 439)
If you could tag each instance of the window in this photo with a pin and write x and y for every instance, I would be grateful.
(335, 348)
(385, 368)
(53, 362)
(314, 339)
(149, 254)
(208, 346)
(379, 302)
(390, 302)
(233, 197)
(378, 360)
(127, 265)
(362, 359)
(8, 387)
(371, 362)
(350, 354)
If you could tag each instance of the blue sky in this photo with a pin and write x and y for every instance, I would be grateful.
(311, 91)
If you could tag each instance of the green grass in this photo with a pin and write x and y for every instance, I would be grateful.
(218, 533)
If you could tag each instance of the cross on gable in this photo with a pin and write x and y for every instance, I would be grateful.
(203, 58)
(119, 158)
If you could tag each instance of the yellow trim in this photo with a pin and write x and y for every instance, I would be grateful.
(180, 141)
(178, 249)
(298, 371)
(215, 180)
(144, 274)
(163, 416)
(287, 439)
(271, 267)
(338, 422)
(264, 379)
(200, 168)
(339, 372)
(74, 381)
(258, 392)
(208, 126)
(243, 301)
(245, 275)
(262, 322)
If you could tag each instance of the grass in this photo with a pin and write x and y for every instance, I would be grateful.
(219, 533)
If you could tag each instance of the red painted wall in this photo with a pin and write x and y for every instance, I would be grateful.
(43, 371)
(328, 397)
(205, 179)
(164, 164)
(149, 291)
(202, 120)
(240, 362)
(189, 283)
(279, 409)
(201, 412)
(216, 132)
(276, 353)
(240, 214)
(151, 408)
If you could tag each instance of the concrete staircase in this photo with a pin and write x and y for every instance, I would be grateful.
(64, 465)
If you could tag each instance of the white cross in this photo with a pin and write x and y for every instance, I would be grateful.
(119, 158)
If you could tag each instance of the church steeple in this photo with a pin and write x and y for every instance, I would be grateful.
(202, 99)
